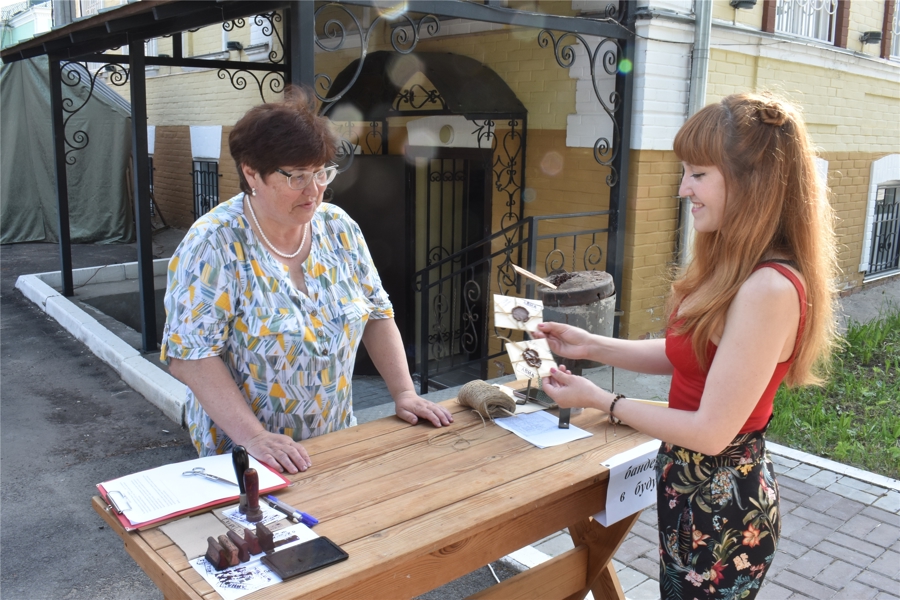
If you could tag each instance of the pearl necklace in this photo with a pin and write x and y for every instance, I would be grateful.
(266, 240)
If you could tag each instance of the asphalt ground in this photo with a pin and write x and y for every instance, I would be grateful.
(68, 422)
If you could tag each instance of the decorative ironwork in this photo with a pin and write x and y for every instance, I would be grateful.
(74, 75)
(334, 34)
(272, 79)
(370, 143)
(268, 23)
(232, 25)
(604, 150)
(590, 258)
(458, 271)
(417, 97)
(508, 172)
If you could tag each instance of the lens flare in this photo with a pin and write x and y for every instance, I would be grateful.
(625, 66)
(552, 163)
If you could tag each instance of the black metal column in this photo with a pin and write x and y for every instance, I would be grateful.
(62, 181)
(141, 170)
(618, 195)
(301, 53)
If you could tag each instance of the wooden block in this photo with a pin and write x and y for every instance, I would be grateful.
(229, 550)
(242, 546)
(252, 541)
(215, 555)
(266, 539)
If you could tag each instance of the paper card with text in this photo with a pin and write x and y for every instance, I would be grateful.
(632, 483)
(531, 358)
(517, 313)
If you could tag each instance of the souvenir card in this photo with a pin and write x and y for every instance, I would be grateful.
(517, 313)
(531, 358)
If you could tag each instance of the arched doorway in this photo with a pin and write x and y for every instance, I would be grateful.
(427, 180)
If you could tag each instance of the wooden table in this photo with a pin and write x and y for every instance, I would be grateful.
(415, 512)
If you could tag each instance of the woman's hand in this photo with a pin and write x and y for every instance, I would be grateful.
(571, 391)
(565, 340)
(279, 452)
(410, 407)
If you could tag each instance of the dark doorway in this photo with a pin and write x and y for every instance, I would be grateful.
(450, 196)
(373, 192)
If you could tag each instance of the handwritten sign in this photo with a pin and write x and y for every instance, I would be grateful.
(632, 483)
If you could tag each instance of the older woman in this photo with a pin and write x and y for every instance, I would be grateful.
(269, 295)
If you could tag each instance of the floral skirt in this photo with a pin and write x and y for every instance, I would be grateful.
(719, 521)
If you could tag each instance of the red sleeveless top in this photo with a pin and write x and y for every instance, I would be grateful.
(688, 379)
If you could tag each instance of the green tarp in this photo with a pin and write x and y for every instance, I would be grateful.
(99, 203)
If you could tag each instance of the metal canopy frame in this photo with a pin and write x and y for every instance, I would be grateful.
(133, 24)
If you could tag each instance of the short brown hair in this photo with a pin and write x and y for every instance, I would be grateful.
(286, 133)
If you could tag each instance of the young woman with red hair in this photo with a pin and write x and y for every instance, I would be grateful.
(753, 308)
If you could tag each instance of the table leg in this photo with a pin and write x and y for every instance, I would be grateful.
(602, 543)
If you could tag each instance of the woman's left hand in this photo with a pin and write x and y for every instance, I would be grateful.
(411, 407)
(571, 391)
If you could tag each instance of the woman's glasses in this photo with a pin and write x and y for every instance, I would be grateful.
(301, 180)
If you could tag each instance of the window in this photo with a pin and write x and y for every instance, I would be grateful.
(206, 186)
(884, 253)
(807, 18)
(90, 7)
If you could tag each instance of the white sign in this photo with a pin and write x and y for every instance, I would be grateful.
(632, 483)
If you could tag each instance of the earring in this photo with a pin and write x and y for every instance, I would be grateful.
(253, 191)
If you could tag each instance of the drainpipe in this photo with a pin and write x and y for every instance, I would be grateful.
(696, 101)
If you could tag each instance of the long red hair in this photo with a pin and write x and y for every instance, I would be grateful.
(775, 203)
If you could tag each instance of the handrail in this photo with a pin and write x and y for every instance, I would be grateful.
(454, 306)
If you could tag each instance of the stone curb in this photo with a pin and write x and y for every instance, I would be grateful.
(161, 389)
(836, 467)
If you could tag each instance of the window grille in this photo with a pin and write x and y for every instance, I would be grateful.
(807, 18)
(152, 203)
(895, 29)
(90, 7)
(884, 254)
(206, 186)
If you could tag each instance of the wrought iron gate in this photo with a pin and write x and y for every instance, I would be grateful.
(452, 214)
(884, 254)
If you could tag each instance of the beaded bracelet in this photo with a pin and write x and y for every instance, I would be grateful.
(612, 419)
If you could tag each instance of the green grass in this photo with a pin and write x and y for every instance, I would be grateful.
(855, 417)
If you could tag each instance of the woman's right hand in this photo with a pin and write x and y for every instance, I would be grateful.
(565, 340)
(278, 451)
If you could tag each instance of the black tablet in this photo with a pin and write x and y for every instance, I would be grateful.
(304, 558)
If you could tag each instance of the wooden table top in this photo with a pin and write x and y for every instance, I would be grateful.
(414, 510)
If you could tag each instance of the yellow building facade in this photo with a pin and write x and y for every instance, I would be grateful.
(850, 96)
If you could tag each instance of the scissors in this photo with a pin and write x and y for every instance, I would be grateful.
(201, 472)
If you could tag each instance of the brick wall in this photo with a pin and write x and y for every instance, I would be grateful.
(865, 16)
(172, 183)
(848, 180)
(652, 223)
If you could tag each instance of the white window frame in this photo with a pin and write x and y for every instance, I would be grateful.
(813, 19)
(895, 29)
(883, 170)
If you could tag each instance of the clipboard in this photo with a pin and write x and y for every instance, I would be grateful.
(185, 494)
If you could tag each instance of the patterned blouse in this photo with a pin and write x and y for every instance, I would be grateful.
(291, 354)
